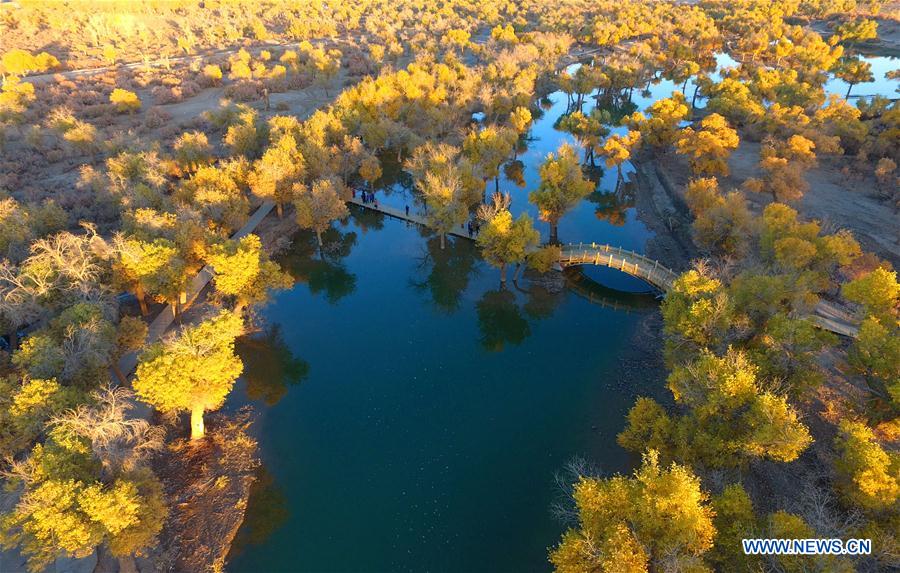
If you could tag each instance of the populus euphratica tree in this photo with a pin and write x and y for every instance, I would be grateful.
(317, 206)
(193, 371)
(633, 525)
(504, 240)
(709, 147)
(562, 187)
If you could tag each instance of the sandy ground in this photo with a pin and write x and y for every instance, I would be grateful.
(835, 199)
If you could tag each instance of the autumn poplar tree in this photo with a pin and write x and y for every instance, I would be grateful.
(854, 71)
(709, 147)
(317, 206)
(193, 371)
(784, 164)
(504, 240)
(868, 476)
(636, 524)
(617, 150)
(276, 172)
(562, 187)
(587, 129)
(488, 148)
(152, 268)
(660, 126)
(445, 200)
(243, 271)
(87, 485)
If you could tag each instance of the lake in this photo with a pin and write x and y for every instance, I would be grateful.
(413, 415)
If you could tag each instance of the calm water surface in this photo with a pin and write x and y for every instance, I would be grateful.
(413, 414)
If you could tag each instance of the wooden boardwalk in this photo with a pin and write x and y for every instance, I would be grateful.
(166, 317)
(630, 262)
(827, 315)
(413, 217)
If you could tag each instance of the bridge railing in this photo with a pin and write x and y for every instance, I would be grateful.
(588, 252)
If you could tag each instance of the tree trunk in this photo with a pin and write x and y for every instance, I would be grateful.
(120, 376)
(442, 241)
(847, 97)
(319, 237)
(694, 99)
(197, 428)
(142, 300)
(127, 564)
(503, 273)
(684, 87)
(518, 270)
(497, 181)
(180, 302)
(554, 232)
(13, 339)
(279, 210)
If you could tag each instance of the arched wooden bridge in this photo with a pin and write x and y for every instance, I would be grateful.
(827, 315)
(630, 262)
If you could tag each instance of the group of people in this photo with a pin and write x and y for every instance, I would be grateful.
(367, 197)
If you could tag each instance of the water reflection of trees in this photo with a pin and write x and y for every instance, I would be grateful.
(540, 302)
(500, 320)
(366, 219)
(617, 105)
(322, 269)
(444, 273)
(611, 206)
(267, 511)
(270, 367)
(514, 171)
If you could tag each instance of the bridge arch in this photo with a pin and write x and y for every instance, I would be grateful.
(629, 262)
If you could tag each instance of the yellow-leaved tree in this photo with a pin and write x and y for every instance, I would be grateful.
(868, 476)
(317, 206)
(244, 271)
(708, 148)
(193, 371)
(631, 525)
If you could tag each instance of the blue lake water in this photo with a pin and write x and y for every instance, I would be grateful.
(413, 414)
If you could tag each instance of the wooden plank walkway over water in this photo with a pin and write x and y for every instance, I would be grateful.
(827, 315)
(630, 262)
(413, 217)
(164, 319)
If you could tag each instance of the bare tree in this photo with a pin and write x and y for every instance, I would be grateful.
(120, 442)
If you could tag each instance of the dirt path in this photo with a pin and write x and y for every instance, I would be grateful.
(838, 201)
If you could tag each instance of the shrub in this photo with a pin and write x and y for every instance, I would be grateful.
(156, 117)
(212, 75)
(124, 100)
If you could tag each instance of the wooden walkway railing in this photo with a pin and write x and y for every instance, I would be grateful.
(629, 262)
(412, 217)
(826, 315)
